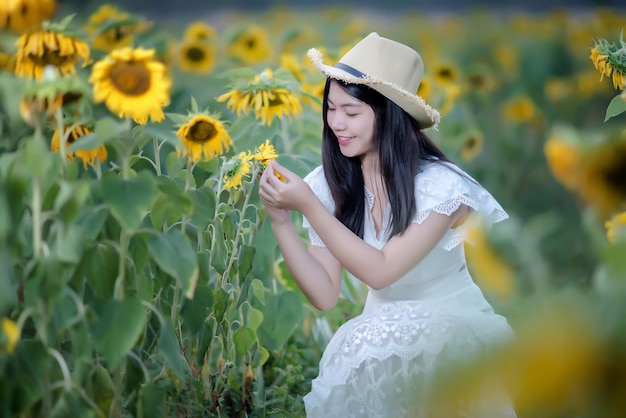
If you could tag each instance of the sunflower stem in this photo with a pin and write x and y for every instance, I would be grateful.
(121, 271)
(36, 208)
(157, 156)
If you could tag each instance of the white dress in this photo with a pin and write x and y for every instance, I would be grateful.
(382, 362)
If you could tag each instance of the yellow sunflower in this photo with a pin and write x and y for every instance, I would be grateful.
(268, 96)
(519, 109)
(251, 46)
(88, 157)
(564, 159)
(12, 333)
(20, 15)
(425, 88)
(313, 95)
(111, 28)
(616, 227)
(290, 62)
(446, 74)
(196, 56)
(39, 48)
(267, 153)
(610, 61)
(132, 83)
(203, 136)
(200, 31)
(236, 169)
(602, 175)
(471, 146)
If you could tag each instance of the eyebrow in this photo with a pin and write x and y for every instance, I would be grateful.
(346, 104)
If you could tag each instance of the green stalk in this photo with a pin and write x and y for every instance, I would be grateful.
(121, 270)
(36, 208)
(157, 156)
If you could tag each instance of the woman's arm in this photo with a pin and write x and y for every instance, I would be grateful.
(376, 268)
(316, 271)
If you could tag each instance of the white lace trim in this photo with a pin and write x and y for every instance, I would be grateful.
(440, 187)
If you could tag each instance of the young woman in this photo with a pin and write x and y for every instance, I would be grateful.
(388, 206)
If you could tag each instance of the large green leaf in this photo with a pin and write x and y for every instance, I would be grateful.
(282, 314)
(169, 348)
(246, 255)
(118, 328)
(129, 199)
(173, 253)
(195, 311)
(151, 402)
(616, 107)
(203, 206)
(244, 339)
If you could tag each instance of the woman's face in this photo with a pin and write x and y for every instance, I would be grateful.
(351, 120)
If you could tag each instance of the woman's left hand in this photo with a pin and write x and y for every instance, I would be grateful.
(290, 192)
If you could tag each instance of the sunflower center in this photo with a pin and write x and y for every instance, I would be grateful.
(201, 132)
(131, 78)
(50, 57)
(615, 176)
(276, 101)
(195, 54)
(250, 43)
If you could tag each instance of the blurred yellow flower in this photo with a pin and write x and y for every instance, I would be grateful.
(196, 56)
(20, 15)
(616, 227)
(558, 89)
(112, 28)
(236, 169)
(446, 74)
(89, 156)
(425, 88)
(609, 61)
(200, 31)
(507, 58)
(12, 333)
(251, 46)
(313, 95)
(203, 136)
(491, 272)
(519, 109)
(564, 159)
(39, 48)
(290, 62)
(268, 96)
(471, 146)
(132, 84)
(602, 173)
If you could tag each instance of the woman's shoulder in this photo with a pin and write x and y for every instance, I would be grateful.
(442, 187)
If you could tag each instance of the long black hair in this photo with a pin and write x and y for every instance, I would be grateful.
(402, 148)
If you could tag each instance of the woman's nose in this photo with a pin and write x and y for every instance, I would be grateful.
(336, 122)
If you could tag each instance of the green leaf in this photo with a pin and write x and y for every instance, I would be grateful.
(203, 206)
(103, 389)
(151, 401)
(160, 132)
(118, 329)
(105, 131)
(244, 339)
(169, 348)
(283, 313)
(254, 317)
(196, 310)
(101, 269)
(174, 254)
(616, 107)
(246, 255)
(218, 251)
(129, 199)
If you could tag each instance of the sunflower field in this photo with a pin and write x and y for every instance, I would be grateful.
(139, 278)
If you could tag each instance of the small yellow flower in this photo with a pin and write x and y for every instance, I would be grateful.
(200, 31)
(20, 15)
(471, 146)
(89, 156)
(267, 153)
(12, 333)
(520, 109)
(112, 28)
(203, 136)
(236, 169)
(132, 83)
(196, 56)
(616, 227)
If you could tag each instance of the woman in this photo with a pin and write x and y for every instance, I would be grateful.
(387, 205)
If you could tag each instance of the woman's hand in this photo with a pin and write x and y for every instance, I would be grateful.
(288, 193)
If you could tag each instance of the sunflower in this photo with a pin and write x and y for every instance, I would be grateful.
(471, 146)
(88, 156)
(200, 31)
(602, 175)
(313, 95)
(112, 28)
(520, 109)
(12, 334)
(203, 136)
(39, 48)
(610, 61)
(132, 84)
(236, 169)
(20, 15)
(446, 74)
(7, 62)
(425, 88)
(268, 96)
(196, 56)
(564, 159)
(290, 63)
(266, 153)
(251, 46)
(616, 227)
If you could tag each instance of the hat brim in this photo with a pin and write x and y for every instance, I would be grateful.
(414, 105)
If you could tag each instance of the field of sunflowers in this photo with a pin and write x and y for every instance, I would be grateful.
(138, 277)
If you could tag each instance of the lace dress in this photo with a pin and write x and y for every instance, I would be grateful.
(382, 362)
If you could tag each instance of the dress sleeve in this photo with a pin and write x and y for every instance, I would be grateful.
(317, 182)
(443, 188)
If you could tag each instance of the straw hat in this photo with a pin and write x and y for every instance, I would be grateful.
(391, 68)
